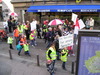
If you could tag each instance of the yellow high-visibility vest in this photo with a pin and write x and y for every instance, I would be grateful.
(26, 47)
(53, 54)
(10, 40)
(64, 57)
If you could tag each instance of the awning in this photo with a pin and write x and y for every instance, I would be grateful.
(64, 8)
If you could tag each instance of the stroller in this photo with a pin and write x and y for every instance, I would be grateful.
(3, 35)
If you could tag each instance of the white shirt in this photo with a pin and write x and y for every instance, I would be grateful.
(33, 25)
(5, 24)
(92, 22)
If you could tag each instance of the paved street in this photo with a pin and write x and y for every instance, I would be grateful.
(25, 65)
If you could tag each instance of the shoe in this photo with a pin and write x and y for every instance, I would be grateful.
(18, 54)
(30, 55)
(64, 69)
(69, 55)
(73, 54)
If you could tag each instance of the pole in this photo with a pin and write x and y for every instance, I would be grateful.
(10, 54)
(38, 63)
(72, 70)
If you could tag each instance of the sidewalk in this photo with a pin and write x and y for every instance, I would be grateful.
(22, 64)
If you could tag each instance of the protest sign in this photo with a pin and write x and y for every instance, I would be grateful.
(74, 17)
(65, 41)
(81, 24)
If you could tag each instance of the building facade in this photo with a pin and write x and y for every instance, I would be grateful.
(21, 6)
(1, 16)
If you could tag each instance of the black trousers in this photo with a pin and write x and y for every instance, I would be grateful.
(10, 46)
(27, 34)
(10, 29)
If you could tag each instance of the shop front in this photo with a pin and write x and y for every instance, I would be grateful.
(63, 11)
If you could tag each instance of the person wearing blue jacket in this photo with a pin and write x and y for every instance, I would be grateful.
(19, 48)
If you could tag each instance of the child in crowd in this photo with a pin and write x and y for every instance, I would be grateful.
(64, 54)
(26, 49)
(10, 41)
(19, 48)
(32, 38)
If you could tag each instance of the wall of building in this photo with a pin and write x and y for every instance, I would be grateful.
(7, 8)
(19, 6)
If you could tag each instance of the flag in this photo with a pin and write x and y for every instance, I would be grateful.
(79, 25)
(74, 17)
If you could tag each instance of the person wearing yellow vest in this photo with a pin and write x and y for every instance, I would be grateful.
(26, 49)
(32, 38)
(51, 54)
(63, 58)
(10, 41)
(20, 28)
(27, 29)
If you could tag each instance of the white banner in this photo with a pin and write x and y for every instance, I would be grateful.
(65, 41)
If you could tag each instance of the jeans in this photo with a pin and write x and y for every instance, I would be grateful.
(58, 54)
(49, 43)
(33, 42)
(17, 40)
(51, 67)
(27, 53)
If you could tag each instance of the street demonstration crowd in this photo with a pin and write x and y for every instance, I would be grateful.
(24, 37)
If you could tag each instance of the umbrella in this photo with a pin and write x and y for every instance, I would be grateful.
(55, 22)
(13, 14)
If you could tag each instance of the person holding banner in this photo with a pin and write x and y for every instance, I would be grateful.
(64, 54)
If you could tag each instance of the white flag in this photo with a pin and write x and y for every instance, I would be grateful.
(81, 24)
(74, 17)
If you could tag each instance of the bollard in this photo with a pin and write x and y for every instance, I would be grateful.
(38, 63)
(10, 54)
(72, 70)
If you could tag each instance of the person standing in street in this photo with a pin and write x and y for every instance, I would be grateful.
(19, 48)
(16, 34)
(32, 38)
(10, 41)
(5, 24)
(10, 26)
(51, 54)
(20, 28)
(26, 49)
(50, 37)
(27, 29)
(64, 54)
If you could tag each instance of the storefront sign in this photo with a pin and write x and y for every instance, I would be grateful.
(43, 10)
(64, 10)
(88, 10)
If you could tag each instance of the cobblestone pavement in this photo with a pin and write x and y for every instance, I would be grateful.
(25, 65)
